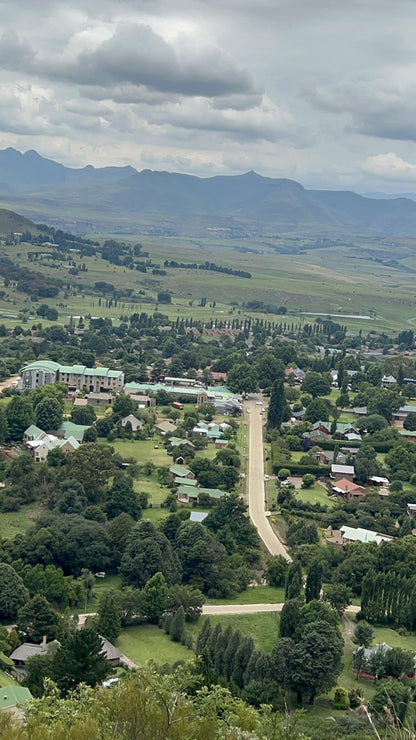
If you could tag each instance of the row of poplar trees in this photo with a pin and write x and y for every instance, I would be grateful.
(389, 597)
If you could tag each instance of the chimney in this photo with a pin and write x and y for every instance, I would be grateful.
(44, 644)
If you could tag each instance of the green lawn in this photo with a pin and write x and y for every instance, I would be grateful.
(16, 522)
(148, 643)
(101, 585)
(6, 680)
(263, 628)
(317, 494)
(141, 450)
(255, 595)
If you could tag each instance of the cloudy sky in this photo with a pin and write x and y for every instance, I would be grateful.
(322, 91)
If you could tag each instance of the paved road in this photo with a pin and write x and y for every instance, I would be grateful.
(256, 499)
(209, 610)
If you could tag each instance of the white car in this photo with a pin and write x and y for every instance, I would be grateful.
(100, 574)
(109, 683)
(259, 403)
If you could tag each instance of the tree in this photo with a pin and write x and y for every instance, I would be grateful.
(242, 378)
(20, 415)
(391, 701)
(109, 616)
(177, 626)
(317, 410)
(363, 634)
(123, 405)
(37, 668)
(399, 662)
(190, 598)
(308, 480)
(410, 422)
(372, 423)
(84, 415)
(80, 660)
(289, 618)
(338, 595)
(72, 498)
(148, 552)
(48, 413)
(316, 660)
(4, 429)
(365, 463)
(317, 384)
(293, 586)
(13, 593)
(123, 498)
(313, 581)
(36, 619)
(277, 405)
(276, 571)
(92, 464)
(154, 598)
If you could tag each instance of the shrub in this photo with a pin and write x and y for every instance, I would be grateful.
(341, 698)
(308, 480)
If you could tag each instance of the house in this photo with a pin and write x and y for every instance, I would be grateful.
(32, 433)
(377, 480)
(360, 411)
(165, 428)
(411, 510)
(134, 421)
(400, 415)
(27, 650)
(324, 427)
(76, 431)
(44, 443)
(326, 457)
(12, 696)
(198, 516)
(407, 434)
(112, 654)
(99, 399)
(178, 481)
(188, 493)
(221, 443)
(358, 534)
(298, 415)
(342, 471)
(388, 380)
(346, 429)
(179, 442)
(143, 402)
(349, 491)
(180, 471)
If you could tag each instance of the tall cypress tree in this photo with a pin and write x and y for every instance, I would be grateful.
(289, 618)
(203, 636)
(293, 586)
(230, 653)
(313, 581)
(210, 648)
(242, 659)
(276, 405)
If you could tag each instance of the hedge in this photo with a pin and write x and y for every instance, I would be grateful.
(330, 444)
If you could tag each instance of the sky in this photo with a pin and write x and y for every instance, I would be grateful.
(320, 91)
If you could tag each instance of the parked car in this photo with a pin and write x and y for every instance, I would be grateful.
(100, 574)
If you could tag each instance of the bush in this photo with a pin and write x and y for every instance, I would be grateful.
(283, 473)
(308, 480)
(341, 698)
(396, 486)
(355, 698)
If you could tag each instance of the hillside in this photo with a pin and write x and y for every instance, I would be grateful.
(123, 200)
(11, 222)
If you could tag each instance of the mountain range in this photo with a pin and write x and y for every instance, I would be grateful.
(123, 200)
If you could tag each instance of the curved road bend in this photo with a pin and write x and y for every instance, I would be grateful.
(256, 500)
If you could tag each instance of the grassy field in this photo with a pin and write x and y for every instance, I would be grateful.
(141, 450)
(6, 680)
(148, 643)
(16, 522)
(317, 494)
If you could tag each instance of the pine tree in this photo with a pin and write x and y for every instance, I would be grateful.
(80, 660)
(242, 659)
(293, 587)
(203, 636)
(313, 581)
(277, 405)
(177, 626)
(109, 616)
(289, 618)
(230, 653)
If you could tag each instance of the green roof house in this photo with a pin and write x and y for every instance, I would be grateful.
(11, 696)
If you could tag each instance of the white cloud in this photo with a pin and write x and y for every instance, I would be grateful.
(390, 167)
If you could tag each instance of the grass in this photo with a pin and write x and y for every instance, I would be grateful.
(255, 595)
(263, 628)
(141, 450)
(13, 523)
(101, 585)
(317, 494)
(6, 680)
(148, 643)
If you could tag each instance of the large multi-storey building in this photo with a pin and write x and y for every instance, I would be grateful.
(76, 377)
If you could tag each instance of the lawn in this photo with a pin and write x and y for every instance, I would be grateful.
(5, 680)
(16, 522)
(263, 628)
(317, 494)
(148, 643)
(255, 595)
(101, 585)
(141, 450)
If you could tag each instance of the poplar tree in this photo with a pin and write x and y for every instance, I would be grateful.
(293, 586)
(313, 581)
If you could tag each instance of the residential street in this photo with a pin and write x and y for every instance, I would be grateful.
(256, 482)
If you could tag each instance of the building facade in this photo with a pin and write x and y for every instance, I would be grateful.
(76, 377)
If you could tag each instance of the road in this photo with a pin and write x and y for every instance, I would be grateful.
(256, 499)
